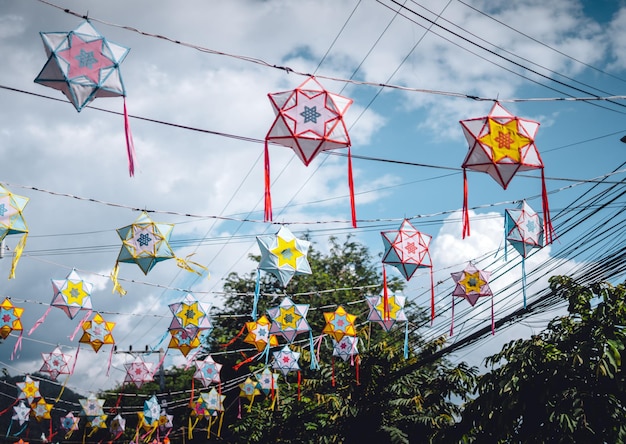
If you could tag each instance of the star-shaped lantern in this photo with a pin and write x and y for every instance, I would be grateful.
(97, 332)
(199, 408)
(407, 250)
(190, 315)
(70, 422)
(249, 389)
(501, 145)
(72, 294)
(207, 371)
(41, 409)
(10, 318)
(346, 348)
(56, 363)
(524, 230)
(283, 255)
(151, 412)
(21, 412)
(139, 371)
(471, 284)
(117, 426)
(183, 341)
(12, 222)
(339, 323)
(259, 334)
(267, 381)
(145, 243)
(289, 319)
(28, 390)
(214, 401)
(97, 422)
(92, 406)
(386, 314)
(286, 360)
(83, 65)
(309, 120)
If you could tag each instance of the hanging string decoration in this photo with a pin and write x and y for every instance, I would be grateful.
(502, 145)
(309, 120)
(523, 229)
(84, 65)
(12, 222)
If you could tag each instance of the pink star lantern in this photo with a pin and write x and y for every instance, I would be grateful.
(289, 319)
(207, 371)
(501, 145)
(471, 284)
(309, 120)
(69, 422)
(139, 371)
(83, 65)
(56, 363)
(346, 348)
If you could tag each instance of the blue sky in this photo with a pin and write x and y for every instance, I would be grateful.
(73, 168)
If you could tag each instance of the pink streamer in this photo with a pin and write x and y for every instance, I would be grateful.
(130, 145)
(80, 324)
(40, 321)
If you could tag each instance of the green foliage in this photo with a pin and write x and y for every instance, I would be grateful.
(565, 384)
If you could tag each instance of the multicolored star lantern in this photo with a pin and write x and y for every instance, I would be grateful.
(183, 341)
(28, 389)
(524, 230)
(149, 417)
(207, 371)
(41, 409)
(97, 332)
(12, 222)
(70, 422)
(267, 381)
(249, 389)
(387, 315)
(72, 294)
(501, 145)
(56, 363)
(408, 250)
(346, 348)
(289, 319)
(83, 65)
(214, 401)
(139, 371)
(339, 324)
(283, 255)
(309, 120)
(10, 318)
(471, 284)
(259, 334)
(286, 360)
(92, 406)
(190, 315)
(117, 426)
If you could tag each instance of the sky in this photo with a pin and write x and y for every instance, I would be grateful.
(197, 78)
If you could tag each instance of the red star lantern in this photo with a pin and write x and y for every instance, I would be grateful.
(501, 145)
(471, 284)
(309, 120)
(56, 363)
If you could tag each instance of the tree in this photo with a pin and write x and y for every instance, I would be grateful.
(565, 384)
(330, 404)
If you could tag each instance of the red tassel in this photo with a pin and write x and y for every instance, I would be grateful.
(351, 186)
(432, 296)
(236, 367)
(193, 384)
(237, 336)
(386, 314)
(130, 145)
(465, 216)
(299, 383)
(268, 195)
(548, 231)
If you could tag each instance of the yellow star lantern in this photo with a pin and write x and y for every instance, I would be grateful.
(501, 145)
(72, 294)
(12, 222)
(29, 389)
(283, 255)
(259, 334)
(10, 318)
(41, 409)
(289, 319)
(190, 315)
(97, 332)
(339, 324)
(386, 312)
(183, 341)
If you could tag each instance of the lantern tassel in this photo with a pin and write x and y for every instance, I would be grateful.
(351, 187)
(130, 145)
(465, 215)
(268, 196)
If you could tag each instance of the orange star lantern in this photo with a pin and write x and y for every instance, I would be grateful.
(501, 145)
(97, 332)
(339, 324)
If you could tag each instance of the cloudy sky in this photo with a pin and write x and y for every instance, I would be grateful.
(197, 78)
